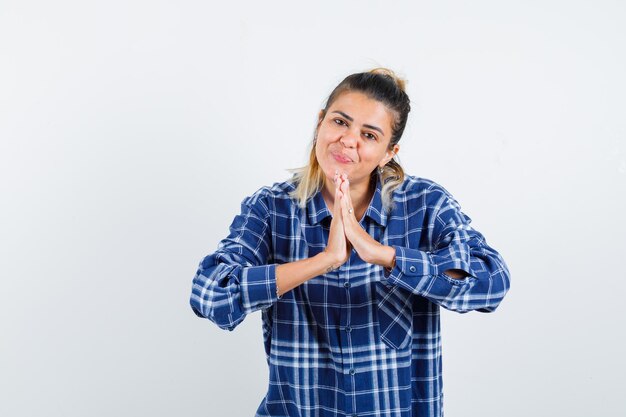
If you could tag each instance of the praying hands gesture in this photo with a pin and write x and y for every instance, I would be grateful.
(346, 232)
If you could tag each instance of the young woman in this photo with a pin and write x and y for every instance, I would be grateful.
(349, 262)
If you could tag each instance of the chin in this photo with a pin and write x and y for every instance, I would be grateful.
(330, 172)
(330, 165)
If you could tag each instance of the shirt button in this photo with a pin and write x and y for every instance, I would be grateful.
(352, 371)
(412, 268)
(346, 284)
(348, 329)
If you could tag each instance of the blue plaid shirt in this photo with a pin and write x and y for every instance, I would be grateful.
(357, 341)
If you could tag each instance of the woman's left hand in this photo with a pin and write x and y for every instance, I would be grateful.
(366, 247)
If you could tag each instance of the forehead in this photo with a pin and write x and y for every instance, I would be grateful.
(363, 109)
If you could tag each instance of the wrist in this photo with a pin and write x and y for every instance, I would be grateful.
(384, 256)
(392, 265)
(327, 262)
(390, 259)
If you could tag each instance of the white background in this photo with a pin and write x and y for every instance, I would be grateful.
(130, 131)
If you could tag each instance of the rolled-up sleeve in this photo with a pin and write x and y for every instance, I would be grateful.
(237, 279)
(455, 245)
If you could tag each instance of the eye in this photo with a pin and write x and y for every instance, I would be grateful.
(370, 136)
(339, 122)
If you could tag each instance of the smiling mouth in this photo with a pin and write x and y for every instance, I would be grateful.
(342, 159)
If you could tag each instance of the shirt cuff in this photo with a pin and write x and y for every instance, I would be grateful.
(258, 287)
(413, 266)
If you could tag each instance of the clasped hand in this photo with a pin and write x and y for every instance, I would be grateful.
(346, 232)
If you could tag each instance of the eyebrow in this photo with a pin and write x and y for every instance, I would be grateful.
(352, 120)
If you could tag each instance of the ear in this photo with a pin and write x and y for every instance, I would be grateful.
(389, 155)
(320, 116)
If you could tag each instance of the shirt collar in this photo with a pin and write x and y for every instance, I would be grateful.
(375, 210)
(318, 211)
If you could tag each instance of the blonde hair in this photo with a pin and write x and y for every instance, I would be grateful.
(381, 84)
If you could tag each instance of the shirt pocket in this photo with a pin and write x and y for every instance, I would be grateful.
(395, 315)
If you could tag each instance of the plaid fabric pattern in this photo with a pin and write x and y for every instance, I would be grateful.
(356, 341)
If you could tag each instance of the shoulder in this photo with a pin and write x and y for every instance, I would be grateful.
(414, 187)
(269, 197)
(423, 195)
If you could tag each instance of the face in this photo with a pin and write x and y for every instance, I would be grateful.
(353, 137)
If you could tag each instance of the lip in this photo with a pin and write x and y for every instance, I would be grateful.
(341, 158)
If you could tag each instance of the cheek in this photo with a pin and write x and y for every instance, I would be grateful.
(330, 131)
(322, 142)
(370, 155)
(319, 152)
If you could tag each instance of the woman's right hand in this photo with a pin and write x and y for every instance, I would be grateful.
(338, 248)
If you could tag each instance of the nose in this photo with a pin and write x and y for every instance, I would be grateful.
(349, 139)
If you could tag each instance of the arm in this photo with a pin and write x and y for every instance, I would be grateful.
(225, 293)
(462, 273)
(456, 247)
(292, 274)
(337, 252)
(236, 280)
(386, 256)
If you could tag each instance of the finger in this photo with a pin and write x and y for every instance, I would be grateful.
(345, 186)
(346, 200)
(338, 179)
(337, 203)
